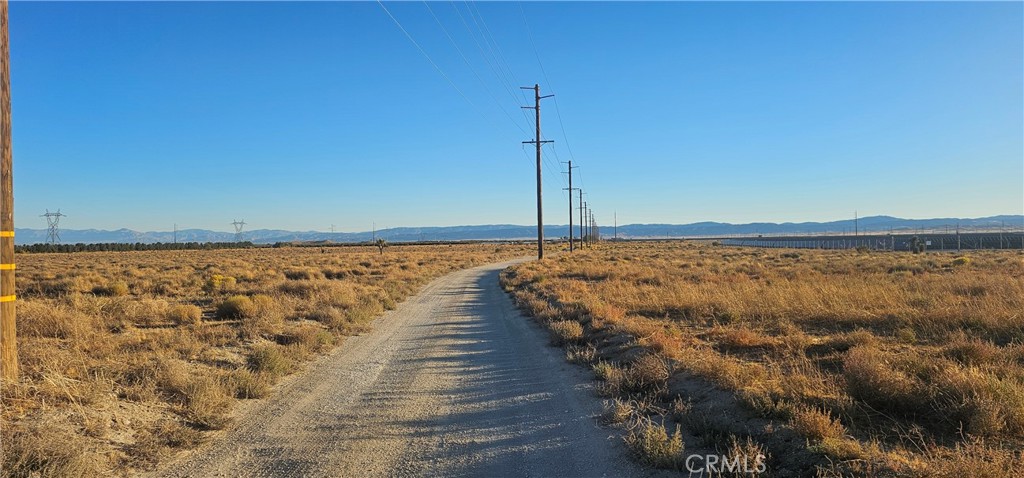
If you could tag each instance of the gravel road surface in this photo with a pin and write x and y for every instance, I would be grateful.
(454, 382)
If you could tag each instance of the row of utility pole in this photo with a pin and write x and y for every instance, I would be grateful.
(586, 214)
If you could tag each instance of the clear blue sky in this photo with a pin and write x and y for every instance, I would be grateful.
(302, 115)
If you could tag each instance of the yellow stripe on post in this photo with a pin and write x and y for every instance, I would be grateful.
(7, 267)
(6, 233)
(7, 298)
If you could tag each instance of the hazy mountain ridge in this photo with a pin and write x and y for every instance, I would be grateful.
(514, 232)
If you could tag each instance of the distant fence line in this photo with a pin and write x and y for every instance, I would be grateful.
(887, 242)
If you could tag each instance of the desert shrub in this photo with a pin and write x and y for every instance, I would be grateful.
(218, 282)
(961, 261)
(332, 317)
(906, 335)
(314, 339)
(45, 451)
(269, 359)
(980, 403)
(185, 314)
(303, 288)
(581, 354)
(871, 378)
(265, 317)
(566, 331)
(606, 370)
(816, 424)
(970, 351)
(617, 411)
(365, 311)
(248, 384)
(48, 319)
(154, 443)
(650, 443)
(648, 375)
(302, 274)
(743, 337)
(206, 402)
(650, 372)
(974, 458)
(113, 288)
(236, 307)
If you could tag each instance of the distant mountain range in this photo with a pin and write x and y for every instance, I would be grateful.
(513, 232)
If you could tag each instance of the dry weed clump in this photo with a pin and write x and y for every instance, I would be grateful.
(847, 349)
(652, 444)
(130, 356)
(566, 332)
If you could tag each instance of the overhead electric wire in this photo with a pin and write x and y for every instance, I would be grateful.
(502, 75)
(509, 88)
(500, 67)
(424, 52)
(470, 66)
(544, 72)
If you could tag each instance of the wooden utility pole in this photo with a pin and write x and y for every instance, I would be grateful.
(8, 328)
(585, 238)
(570, 189)
(537, 142)
(593, 226)
(581, 218)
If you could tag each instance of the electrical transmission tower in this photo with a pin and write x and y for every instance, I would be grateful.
(53, 226)
(537, 142)
(238, 229)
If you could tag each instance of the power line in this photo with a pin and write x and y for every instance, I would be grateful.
(439, 69)
(470, 66)
(502, 79)
(544, 72)
(425, 55)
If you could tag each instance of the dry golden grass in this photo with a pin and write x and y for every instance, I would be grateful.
(128, 356)
(878, 363)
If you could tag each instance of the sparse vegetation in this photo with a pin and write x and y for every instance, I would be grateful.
(879, 364)
(129, 356)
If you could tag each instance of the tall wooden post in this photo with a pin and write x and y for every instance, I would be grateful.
(8, 331)
(538, 143)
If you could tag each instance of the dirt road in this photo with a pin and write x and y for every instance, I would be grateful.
(454, 382)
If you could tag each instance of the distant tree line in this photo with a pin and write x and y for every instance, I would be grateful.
(138, 246)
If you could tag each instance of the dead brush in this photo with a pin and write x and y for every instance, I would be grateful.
(565, 332)
(139, 343)
(647, 376)
(617, 411)
(156, 442)
(270, 360)
(817, 424)
(872, 378)
(915, 340)
(48, 449)
(185, 314)
(206, 402)
(650, 443)
(581, 354)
